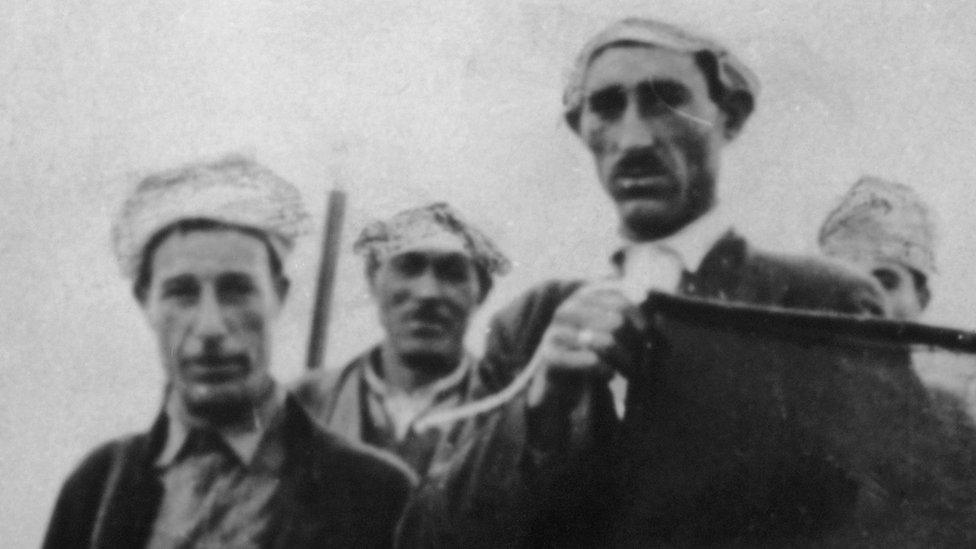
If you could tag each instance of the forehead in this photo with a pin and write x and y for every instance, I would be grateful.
(629, 64)
(432, 254)
(209, 253)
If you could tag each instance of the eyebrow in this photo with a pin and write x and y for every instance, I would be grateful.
(433, 254)
(177, 281)
(450, 255)
(229, 276)
(236, 277)
(654, 83)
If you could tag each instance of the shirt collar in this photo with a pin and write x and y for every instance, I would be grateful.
(243, 442)
(691, 244)
(431, 392)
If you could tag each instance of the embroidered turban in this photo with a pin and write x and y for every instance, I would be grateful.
(234, 190)
(733, 76)
(880, 219)
(434, 226)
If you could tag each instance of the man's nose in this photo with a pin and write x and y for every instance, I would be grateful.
(635, 129)
(426, 286)
(210, 321)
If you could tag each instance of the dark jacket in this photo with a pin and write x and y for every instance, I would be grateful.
(732, 271)
(502, 492)
(332, 494)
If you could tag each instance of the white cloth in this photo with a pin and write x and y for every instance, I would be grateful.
(235, 191)
(732, 72)
(435, 226)
(659, 264)
(881, 220)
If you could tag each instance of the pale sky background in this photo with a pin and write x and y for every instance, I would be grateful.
(450, 100)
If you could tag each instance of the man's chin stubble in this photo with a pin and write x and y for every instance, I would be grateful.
(228, 408)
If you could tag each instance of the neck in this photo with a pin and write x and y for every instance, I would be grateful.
(411, 373)
(650, 232)
(224, 416)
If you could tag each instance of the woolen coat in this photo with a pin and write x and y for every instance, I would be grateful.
(332, 494)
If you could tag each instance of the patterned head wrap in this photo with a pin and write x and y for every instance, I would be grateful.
(234, 190)
(434, 226)
(732, 74)
(880, 219)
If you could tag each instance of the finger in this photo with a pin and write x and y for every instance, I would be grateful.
(599, 341)
(605, 295)
(595, 322)
(576, 364)
(559, 355)
(571, 337)
(583, 315)
(611, 285)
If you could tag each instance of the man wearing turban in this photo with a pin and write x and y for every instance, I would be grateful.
(231, 461)
(885, 229)
(656, 106)
(428, 271)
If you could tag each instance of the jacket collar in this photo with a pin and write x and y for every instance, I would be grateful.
(243, 442)
(133, 492)
(721, 270)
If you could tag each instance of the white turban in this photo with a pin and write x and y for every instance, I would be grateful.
(732, 73)
(880, 219)
(434, 226)
(234, 190)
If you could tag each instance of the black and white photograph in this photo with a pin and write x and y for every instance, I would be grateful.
(536, 273)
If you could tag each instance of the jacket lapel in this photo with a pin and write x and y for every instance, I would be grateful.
(132, 491)
(722, 271)
(302, 516)
(345, 417)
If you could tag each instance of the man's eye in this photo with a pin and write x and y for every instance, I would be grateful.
(234, 287)
(889, 279)
(410, 264)
(608, 103)
(453, 269)
(666, 93)
(181, 290)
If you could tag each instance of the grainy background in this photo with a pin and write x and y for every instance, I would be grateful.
(408, 102)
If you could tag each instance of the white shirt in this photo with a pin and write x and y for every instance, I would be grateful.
(659, 264)
(396, 409)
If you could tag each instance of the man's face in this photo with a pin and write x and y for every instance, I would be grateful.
(655, 134)
(426, 298)
(211, 301)
(903, 295)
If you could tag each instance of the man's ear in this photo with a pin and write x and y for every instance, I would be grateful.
(737, 106)
(573, 119)
(147, 312)
(922, 289)
(282, 285)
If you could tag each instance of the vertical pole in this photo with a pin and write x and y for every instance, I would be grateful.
(331, 242)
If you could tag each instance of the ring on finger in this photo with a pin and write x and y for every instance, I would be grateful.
(585, 338)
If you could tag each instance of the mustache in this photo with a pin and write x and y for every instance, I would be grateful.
(217, 358)
(642, 162)
(431, 311)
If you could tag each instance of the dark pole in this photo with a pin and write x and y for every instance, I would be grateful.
(331, 242)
